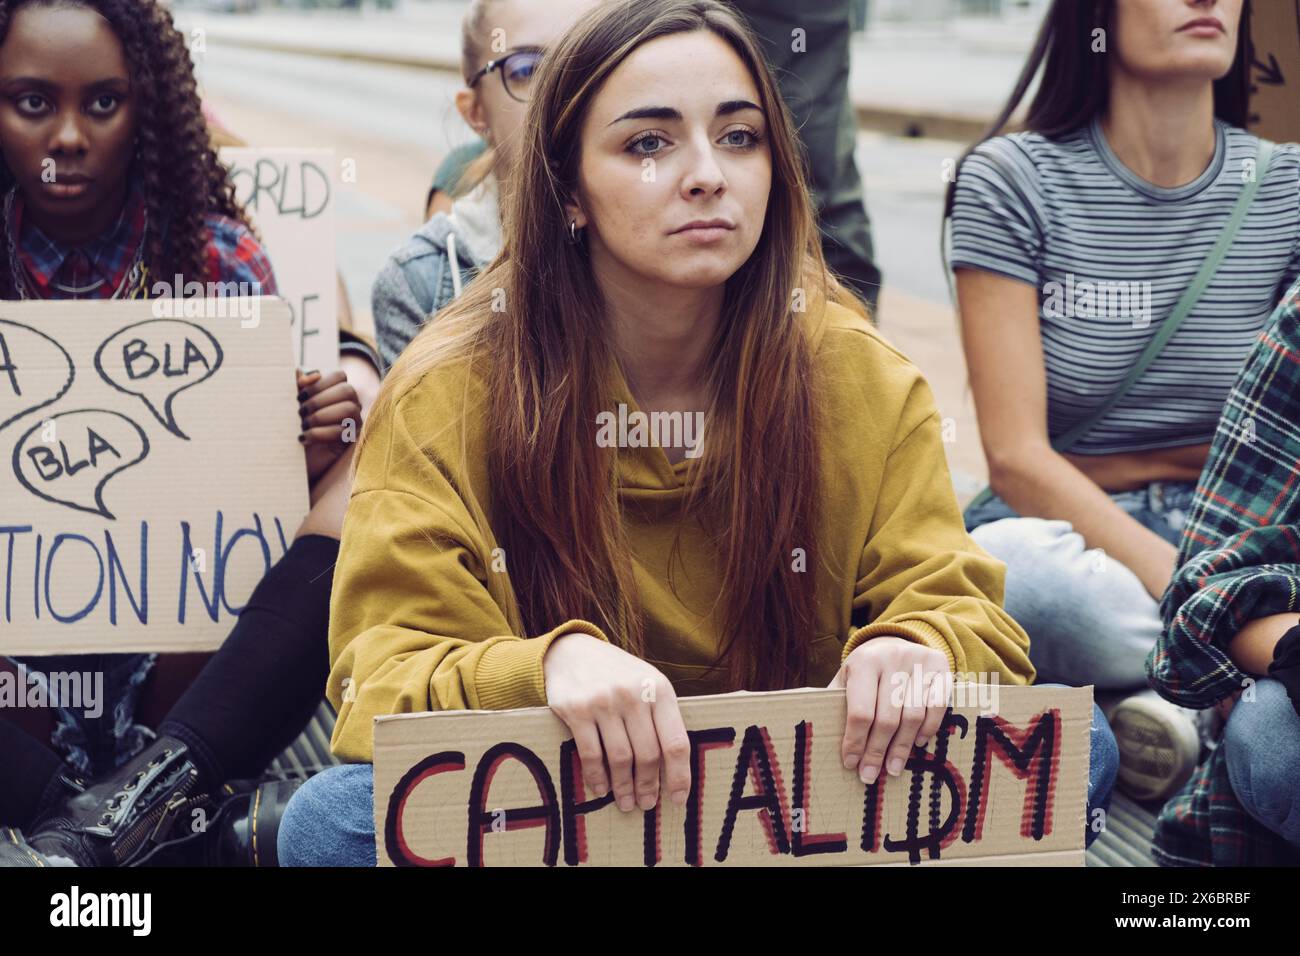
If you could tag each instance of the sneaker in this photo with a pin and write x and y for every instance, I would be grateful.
(1159, 745)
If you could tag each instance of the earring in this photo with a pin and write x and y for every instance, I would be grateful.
(573, 230)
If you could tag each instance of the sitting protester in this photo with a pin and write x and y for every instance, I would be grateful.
(138, 197)
(501, 551)
(1114, 262)
(430, 269)
(1232, 623)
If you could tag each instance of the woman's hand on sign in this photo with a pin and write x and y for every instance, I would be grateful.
(331, 418)
(897, 694)
(623, 715)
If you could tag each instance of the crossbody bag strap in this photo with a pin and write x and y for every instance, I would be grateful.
(1191, 295)
(1186, 303)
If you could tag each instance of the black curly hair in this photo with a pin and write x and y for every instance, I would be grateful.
(174, 162)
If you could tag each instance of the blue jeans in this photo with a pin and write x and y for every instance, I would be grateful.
(1089, 618)
(331, 821)
(98, 745)
(1261, 742)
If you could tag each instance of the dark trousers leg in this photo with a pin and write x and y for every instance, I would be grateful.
(814, 84)
(261, 687)
(30, 771)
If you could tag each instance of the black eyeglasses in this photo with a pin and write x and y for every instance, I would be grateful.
(517, 68)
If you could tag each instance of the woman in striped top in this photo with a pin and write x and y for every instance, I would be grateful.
(1071, 243)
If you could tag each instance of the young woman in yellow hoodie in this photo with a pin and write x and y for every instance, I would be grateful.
(514, 539)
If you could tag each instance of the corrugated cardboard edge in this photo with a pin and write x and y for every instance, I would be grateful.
(389, 726)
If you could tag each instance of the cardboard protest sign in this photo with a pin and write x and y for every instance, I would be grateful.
(1003, 784)
(1275, 70)
(150, 472)
(289, 195)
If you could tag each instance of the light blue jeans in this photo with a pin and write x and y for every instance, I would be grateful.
(1261, 744)
(330, 821)
(1089, 618)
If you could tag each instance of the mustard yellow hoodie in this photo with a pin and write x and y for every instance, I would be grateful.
(418, 614)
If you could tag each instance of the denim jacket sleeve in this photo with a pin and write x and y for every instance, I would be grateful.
(401, 301)
(413, 285)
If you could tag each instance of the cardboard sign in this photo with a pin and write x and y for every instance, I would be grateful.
(289, 195)
(150, 472)
(767, 788)
(1275, 70)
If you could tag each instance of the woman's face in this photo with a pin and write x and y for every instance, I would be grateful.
(1172, 39)
(67, 121)
(514, 24)
(674, 136)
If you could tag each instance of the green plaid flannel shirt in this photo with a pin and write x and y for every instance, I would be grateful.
(1239, 560)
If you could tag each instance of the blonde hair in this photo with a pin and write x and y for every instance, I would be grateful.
(473, 44)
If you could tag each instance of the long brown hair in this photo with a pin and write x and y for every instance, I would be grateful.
(548, 364)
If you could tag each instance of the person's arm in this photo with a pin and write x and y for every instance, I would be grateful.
(418, 618)
(1003, 347)
(1239, 579)
(418, 622)
(921, 577)
(1227, 606)
(1251, 648)
(932, 602)
(330, 412)
(1290, 285)
(241, 258)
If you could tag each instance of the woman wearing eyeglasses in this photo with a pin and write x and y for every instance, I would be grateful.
(502, 42)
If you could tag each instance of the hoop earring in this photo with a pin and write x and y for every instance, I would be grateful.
(573, 231)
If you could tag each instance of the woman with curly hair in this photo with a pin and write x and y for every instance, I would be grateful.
(134, 166)
(111, 189)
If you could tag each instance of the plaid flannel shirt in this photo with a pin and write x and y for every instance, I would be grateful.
(1239, 560)
(233, 254)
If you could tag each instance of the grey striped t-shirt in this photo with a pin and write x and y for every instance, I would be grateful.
(1110, 254)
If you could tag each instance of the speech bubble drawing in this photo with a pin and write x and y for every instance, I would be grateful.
(91, 445)
(157, 359)
(32, 367)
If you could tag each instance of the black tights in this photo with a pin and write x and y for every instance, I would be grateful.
(249, 702)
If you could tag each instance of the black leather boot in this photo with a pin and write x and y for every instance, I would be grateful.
(147, 813)
(114, 821)
(242, 828)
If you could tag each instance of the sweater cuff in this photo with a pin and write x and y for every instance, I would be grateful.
(510, 674)
(917, 631)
